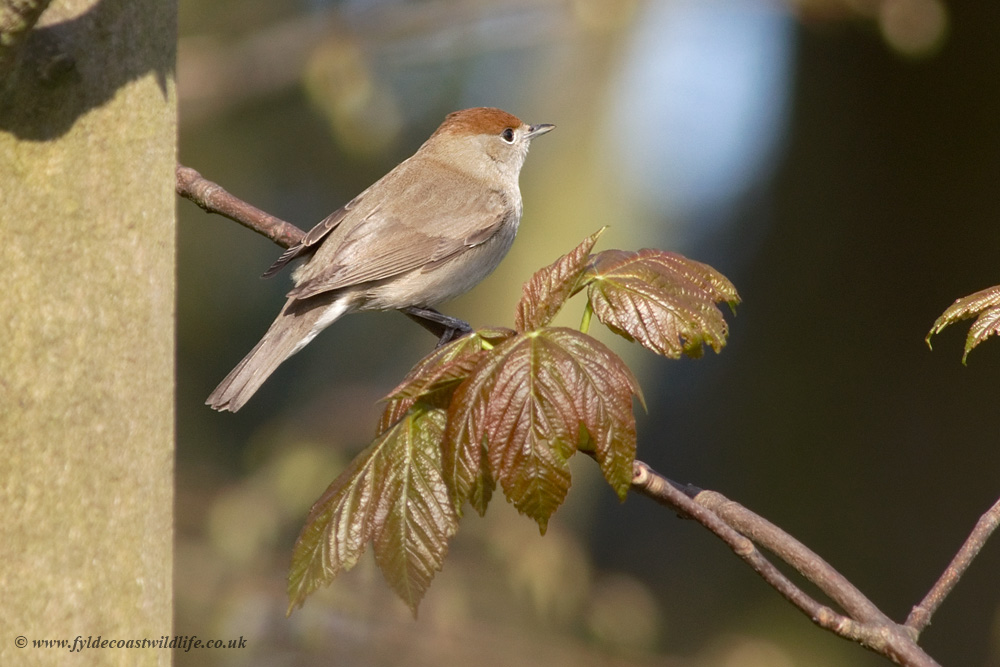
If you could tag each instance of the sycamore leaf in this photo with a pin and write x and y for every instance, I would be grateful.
(468, 476)
(441, 370)
(414, 516)
(661, 299)
(673, 267)
(463, 456)
(546, 292)
(604, 389)
(984, 305)
(392, 495)
(528, 401)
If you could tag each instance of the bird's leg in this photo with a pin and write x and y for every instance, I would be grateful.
(446, 328)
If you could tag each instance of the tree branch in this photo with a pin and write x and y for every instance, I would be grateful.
(213, 198)
(653, 485)
(796, 554)
(920, 617)
(874, 630)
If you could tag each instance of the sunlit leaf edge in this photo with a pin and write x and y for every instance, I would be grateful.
(984, 305)
(548, 289)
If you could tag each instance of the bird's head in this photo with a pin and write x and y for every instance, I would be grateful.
(484, 141)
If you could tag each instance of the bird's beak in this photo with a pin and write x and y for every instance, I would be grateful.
(536, 130)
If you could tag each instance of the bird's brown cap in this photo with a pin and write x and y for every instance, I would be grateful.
(478, 120)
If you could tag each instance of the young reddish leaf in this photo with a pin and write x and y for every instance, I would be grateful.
(531, 429)
(468, 476)
(663, 300)
(445, 367)
(673, 266)
(528, 401)
(466, 467)
(604, 387)
(545, 293)
(985, 304)
(392, 494)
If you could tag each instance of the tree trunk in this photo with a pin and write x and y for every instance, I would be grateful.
(87, 157)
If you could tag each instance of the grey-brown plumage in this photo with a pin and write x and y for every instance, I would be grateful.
(429, 230)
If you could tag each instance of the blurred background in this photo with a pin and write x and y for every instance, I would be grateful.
(837, 159)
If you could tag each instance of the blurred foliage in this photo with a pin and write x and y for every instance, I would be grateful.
(916, 28)
(822, 416)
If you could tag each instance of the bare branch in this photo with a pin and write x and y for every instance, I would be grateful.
(878, 634)
(651, 484)
(213, 198)
(920, 617)
(796, 554)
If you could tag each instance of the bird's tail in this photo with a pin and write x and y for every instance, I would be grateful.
(296, 325)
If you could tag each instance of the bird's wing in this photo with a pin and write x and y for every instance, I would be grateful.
(313, 236)
(381, 240)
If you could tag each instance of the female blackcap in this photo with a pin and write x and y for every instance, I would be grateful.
(427, 231)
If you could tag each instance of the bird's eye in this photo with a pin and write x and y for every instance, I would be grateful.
(507, 135)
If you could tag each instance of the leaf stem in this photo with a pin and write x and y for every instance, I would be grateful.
(588, 312)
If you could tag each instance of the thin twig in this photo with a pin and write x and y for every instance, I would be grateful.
(796, 554)
(921, 615)
(653, 485)
(885, 638)
(214, 199)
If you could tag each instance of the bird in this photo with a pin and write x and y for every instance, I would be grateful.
(429, 230)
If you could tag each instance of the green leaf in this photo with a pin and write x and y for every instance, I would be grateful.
(528, 401)
(414, 516)
(984, 305)
(392, 495)
(662, 300)
(337, 531)
(546, 292)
